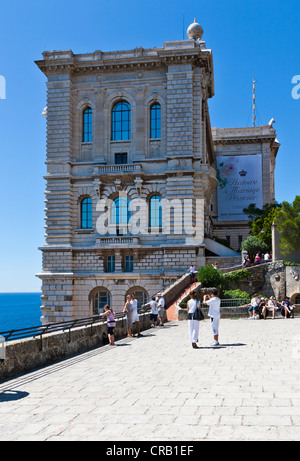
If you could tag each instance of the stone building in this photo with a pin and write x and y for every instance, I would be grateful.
(132, 173)
(248, 148)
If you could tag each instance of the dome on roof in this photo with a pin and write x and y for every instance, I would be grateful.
(195, 31)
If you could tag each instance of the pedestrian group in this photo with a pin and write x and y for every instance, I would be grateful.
(261, 307)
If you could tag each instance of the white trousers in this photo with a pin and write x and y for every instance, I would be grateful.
(194, 330)
(214, 323)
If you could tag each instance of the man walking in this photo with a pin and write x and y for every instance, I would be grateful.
(214, 313)
(161, 309)
(135, 315)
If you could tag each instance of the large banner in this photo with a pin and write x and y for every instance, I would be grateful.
(239, 185)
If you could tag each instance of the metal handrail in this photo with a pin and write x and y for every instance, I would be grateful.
(54, 327)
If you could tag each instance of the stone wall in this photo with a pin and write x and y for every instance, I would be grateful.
(265, 279)
(27, 354)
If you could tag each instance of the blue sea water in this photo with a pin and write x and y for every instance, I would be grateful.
(19, 310)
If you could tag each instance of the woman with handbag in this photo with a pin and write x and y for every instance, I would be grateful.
(195, 314)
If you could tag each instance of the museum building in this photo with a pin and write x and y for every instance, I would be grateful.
(139, 186)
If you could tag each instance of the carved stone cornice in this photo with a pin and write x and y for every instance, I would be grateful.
(71, 65)
(245, 140)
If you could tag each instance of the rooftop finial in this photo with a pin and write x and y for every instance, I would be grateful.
(195, 31)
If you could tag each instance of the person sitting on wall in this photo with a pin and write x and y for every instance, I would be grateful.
(246, 262)
(260, 307)
(270, 306)
(192, 271)
(286, 308)
(254, 305)
(257, 259)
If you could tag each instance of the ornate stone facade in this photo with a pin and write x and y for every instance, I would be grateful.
(124, 127)
(80, 263)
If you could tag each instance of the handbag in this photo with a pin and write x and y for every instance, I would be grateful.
(197, 315)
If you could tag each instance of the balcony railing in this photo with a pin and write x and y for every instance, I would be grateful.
(118, 169)
(116, 241)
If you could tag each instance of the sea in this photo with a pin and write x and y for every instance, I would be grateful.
(19, 310)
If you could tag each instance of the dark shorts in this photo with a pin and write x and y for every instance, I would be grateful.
(153, 317)
(110, 330)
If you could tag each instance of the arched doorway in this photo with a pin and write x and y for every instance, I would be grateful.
(98, 298)
(295, 299)
(141, 295)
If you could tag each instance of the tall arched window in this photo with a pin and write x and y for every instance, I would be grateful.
(87, 124)
(155, 212)
(121, 122)
(120, 214)
(155, 121)
(101, 298)
(86, 213)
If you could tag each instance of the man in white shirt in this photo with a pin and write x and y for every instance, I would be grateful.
(154, 312)
(161, 309)
(254, 305)
(192, 271)
(214, 313)
(267, 257)
(135, 315)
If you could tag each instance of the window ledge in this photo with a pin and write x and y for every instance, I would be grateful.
(84, 231)
(120, 141)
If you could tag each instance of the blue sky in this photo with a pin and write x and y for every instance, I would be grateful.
(246, 37)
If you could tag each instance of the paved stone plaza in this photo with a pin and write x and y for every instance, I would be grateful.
(159, 388)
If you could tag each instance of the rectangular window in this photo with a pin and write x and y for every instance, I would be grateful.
(111, 263)
(121, 159)
(155, 121)
(240, 241)
(228, 239)
(129, 263)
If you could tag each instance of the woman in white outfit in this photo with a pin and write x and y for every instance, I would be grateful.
(193, 323)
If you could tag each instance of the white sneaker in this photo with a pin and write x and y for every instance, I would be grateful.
(215, 343)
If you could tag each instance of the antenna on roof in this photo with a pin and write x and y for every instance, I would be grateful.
(253, 101)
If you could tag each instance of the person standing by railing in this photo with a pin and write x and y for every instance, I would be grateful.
(128, 311)
(161, 309)
(135, 315)
(111, 323)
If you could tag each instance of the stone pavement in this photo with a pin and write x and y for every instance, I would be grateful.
(159, 388)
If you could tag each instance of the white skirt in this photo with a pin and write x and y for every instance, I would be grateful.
(194, 330)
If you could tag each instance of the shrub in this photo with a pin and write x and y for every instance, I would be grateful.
(236, 294)
(236, 276)
(210, 277)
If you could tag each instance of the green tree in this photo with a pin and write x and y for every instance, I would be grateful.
(287, 220)
(261, 221)
(254, 245)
